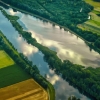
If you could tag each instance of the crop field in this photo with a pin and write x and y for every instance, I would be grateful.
(5, 60)
(93, 24)
(90, 27)
(11, 75)
(25, 90)
(93, 3)
(15, 83)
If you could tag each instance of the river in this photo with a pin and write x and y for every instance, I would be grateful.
(67, 45)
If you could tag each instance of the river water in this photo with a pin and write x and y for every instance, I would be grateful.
(67, 45)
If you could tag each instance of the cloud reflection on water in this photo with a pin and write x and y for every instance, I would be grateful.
(26, 48)
(55, 32)
(61, 51)
(63, 89)
(52, 77)
(67, 45)
(12, 12)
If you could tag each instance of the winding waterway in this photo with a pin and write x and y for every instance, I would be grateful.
(67, 46)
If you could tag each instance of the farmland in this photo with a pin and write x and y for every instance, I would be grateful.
(10, 72)
(27, 90)
(5, 60)
(16, 83)
(11, 75)
(93, 24)
(76, 71)
(71, 72)
(93, 3)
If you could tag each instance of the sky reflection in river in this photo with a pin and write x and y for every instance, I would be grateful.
(63, 89)
(67, 45)
(26, 48)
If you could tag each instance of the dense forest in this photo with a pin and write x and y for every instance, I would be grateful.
(97, 0)
(67, 13)
(64, 12)
(85, 79)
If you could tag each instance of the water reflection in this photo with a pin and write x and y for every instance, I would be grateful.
(53, 78)
(67, 45)
(26, 48)
(62, 88)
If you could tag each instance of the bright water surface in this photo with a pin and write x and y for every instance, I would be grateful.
(67, 45)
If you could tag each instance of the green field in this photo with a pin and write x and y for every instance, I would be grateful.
(11, 75)
(93, 3)
(5, 60)
(15, 83)
(93, 24)
(90, 28)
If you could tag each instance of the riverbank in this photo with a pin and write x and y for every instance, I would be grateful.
(90, 44)
(70, 72)
(42, 18)
(51, 92)
(49, 87)
(17, 68)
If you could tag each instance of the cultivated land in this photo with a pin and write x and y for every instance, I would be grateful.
(15, 83)
(93, 24)
(5, 60)
(25, 90)
(87, 80)
(83, 79)
(94, 3)
(11, 75)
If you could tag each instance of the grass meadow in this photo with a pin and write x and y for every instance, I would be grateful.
(5, 60)
(93, 3)
(11, 75)
(93, 24)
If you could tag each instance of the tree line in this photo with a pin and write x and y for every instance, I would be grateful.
(23, 61)
(97, 0)
(87, 80)
(67, 13)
